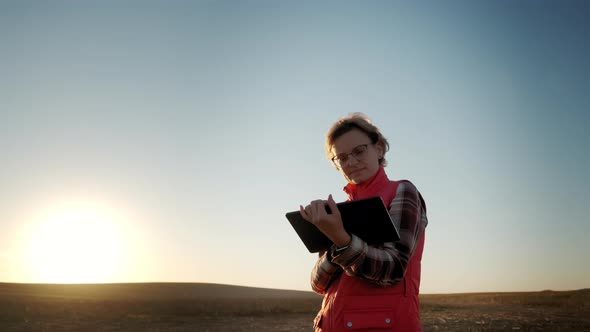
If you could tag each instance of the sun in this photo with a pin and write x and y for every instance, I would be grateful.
(76, 243)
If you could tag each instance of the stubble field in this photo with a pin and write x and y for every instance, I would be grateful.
(212, 307)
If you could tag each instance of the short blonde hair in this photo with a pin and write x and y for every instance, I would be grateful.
(358, 121)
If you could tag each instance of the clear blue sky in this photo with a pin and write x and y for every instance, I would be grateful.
(199, 124)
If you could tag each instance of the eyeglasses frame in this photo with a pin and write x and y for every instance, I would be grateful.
(350, 154)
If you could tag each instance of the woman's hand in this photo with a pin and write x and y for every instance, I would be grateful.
(328, 223)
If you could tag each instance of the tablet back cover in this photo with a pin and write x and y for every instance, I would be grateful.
(367, 218)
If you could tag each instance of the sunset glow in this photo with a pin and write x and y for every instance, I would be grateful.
(75, 244)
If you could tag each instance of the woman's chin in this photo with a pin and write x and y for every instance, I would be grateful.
(356, 178)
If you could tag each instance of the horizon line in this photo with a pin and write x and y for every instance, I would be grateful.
(270, 288)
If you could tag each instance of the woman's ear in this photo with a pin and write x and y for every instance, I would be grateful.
(380, 149)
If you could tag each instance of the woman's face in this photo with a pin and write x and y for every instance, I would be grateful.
(359, 158)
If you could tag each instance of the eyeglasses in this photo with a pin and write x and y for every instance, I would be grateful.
(359, 153)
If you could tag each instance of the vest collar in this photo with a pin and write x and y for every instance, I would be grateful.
(371, 187)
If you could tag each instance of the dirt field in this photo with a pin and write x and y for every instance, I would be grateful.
(209, 307)
(545, 311)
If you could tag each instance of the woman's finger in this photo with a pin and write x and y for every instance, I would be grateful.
(303, 213)
(318, 208)
(332, 204)
(309, 211)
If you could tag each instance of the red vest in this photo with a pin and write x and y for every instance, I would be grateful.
(353, 304)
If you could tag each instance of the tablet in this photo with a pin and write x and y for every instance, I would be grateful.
(366, 218)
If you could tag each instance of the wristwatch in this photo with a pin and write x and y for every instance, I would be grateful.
(338, 250)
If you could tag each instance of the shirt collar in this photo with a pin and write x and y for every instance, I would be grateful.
(368, 188)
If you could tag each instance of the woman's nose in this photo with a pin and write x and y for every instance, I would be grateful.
(351, 161)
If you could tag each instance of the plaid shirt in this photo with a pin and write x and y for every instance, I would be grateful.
(385, 264)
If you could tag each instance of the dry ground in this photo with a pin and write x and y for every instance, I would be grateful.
(537, 311)
(210, 307)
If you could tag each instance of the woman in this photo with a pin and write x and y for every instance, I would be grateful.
(367, 287)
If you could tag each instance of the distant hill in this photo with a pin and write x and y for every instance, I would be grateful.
(147, 291)
(579, 297)
(205, 291)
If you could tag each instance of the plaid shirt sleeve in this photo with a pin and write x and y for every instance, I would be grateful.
(384, 264)
(324, 273)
